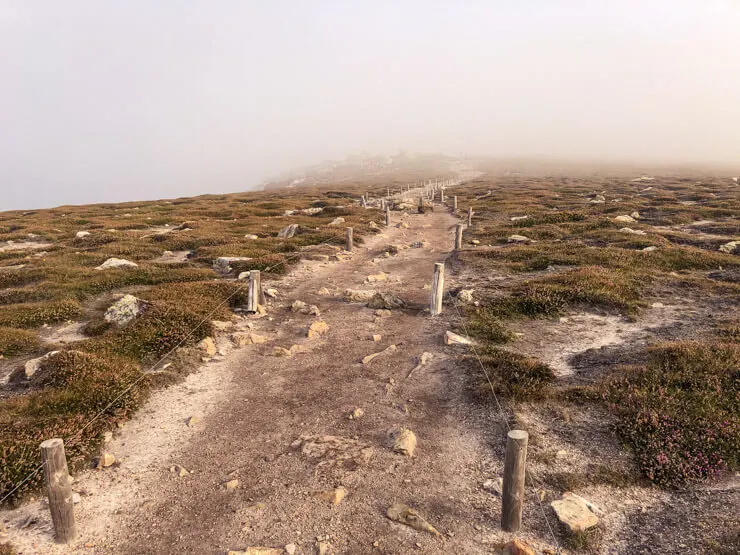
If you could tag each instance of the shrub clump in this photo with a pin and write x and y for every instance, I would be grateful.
(33, 315)
(515, 376)
(14, 341)
(681, 411)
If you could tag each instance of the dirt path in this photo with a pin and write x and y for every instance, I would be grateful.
(255, 406)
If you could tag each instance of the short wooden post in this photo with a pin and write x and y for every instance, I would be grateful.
(421, 201)
(470, 216)
(348, 244)
(454, 203)
(364, 202)
(253, 298)
(438, 285)
(513, 486)
(387, 214)
(389, 192)
(458, 236)
(59, 489)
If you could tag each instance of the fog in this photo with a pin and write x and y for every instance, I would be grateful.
(128, 100)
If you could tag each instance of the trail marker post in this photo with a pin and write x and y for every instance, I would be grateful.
(59, 489)
(454, 203)
(438, 285)
(387, 214)
(513, 486)
(470, 216)
(349, 240)
(458, 236)
(253, 296)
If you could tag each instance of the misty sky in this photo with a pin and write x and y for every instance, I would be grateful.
(139, 99)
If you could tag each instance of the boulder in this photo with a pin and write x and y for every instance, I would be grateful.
(358, 295)
(34, 365)
(124, 310)
(404, 442)
(223, 263)
(385, 301)
(113, 263)
(575, 512)
(518, 239)
(625, 219)
(288, 231)
(731, 248)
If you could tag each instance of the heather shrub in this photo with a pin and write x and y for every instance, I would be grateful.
(32, 315)
(513, 375)
(14, 341)
(681, 411)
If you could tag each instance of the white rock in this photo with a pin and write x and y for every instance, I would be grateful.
(651, 248)
(635, 215)
(223, 263)
(337, 221)
(518, 239)
(288, 231)
(452, 338)
(251, 236)
(113, 263)
(272, 293)
(124, 310)
(81, 234)
(632, 231)
(731, 247)
(624, 219)
(575, 512)
(517, 218)
(33, 365)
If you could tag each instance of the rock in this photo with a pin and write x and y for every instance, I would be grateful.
(240, 339)
(323, 291)
(257, 551)
(635, 215)
(358, 295)
(347, 453)
(373, 225)
(404, 514)
(76, 498)
(192, 421)
(290, 548)
(323, 547)
(223, 263)
(113, 263)
(303, 308)
(317, 329)
(374, 278)
(357, 413)
(313, 210)
(251, 236)
(337, 221)
(106, 460)
(657, 305)
(575, 512)
(231, 485)
(402, 225)
(418, 244)
(124, 310)
(404, 442)
(474, 242)
(385, 301)
(518, 239)
(208, 346)
(282, 352)
(517, 218)
(651, 248)
(517, 547)
(625, 219)
(377, 338)
(288, 231)
(494, 486)
(221, 325)
(34, 365)
(318, 257)
(81, 234)
(369, 358)
(271, 292)
(599, 198)
(632, 231)
(452, 338)
(465, 295)
(333, 496)
(242, 276)
(383, 313)
(732, 247)
(179, 470)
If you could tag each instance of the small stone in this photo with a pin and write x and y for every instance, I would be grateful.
(404, 514)
(251, 236)
(452, 338)
(272, 293)
(76, 498)
(575, 512)
(385, 301)
(81, 234)
(231, 484)
(383, 313)
(288, 231)
(518, 239)
(323, 547)
(730, 248)
(257, 551)
(635, 215)
(517, 547)
(625, 219)
(282, 352)
(323, 291)
(372, 356)
(474, 242)
(517, 218)
(357, 295)
(192, 421)
(179, 470)
(239, 339)
(374, 278)
(337, 221)
(404, 442)
(223, 263)
(651, 248)
(334, 496)
(317, 329)
(465, 295)
(377, 338)
(357, 413)
(34, 365)
(220, 325)
(113, 263)
(208, 346)
(494, 486)
(106, 460)
(290, 548)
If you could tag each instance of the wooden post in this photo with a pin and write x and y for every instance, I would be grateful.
(253, 298)
(387, 214)
(454, 203)
(438, 285)
(513, 486)
(470, 216)
(389, 192)
(348, 245)
(59, 489)
(364, 202)
(458, 236)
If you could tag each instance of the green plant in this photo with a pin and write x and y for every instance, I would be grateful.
(14, 341)
(513, 375)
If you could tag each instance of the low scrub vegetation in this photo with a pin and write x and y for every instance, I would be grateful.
(514, 376)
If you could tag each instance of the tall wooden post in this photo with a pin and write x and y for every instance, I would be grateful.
(387, 214)
(59, 489)
(454, 203)
(253, 298)
(470, 216)
(458, 236)
(438, 285)
(513, 486)
(348, 236)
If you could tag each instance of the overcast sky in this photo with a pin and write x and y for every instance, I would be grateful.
(139, 99)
